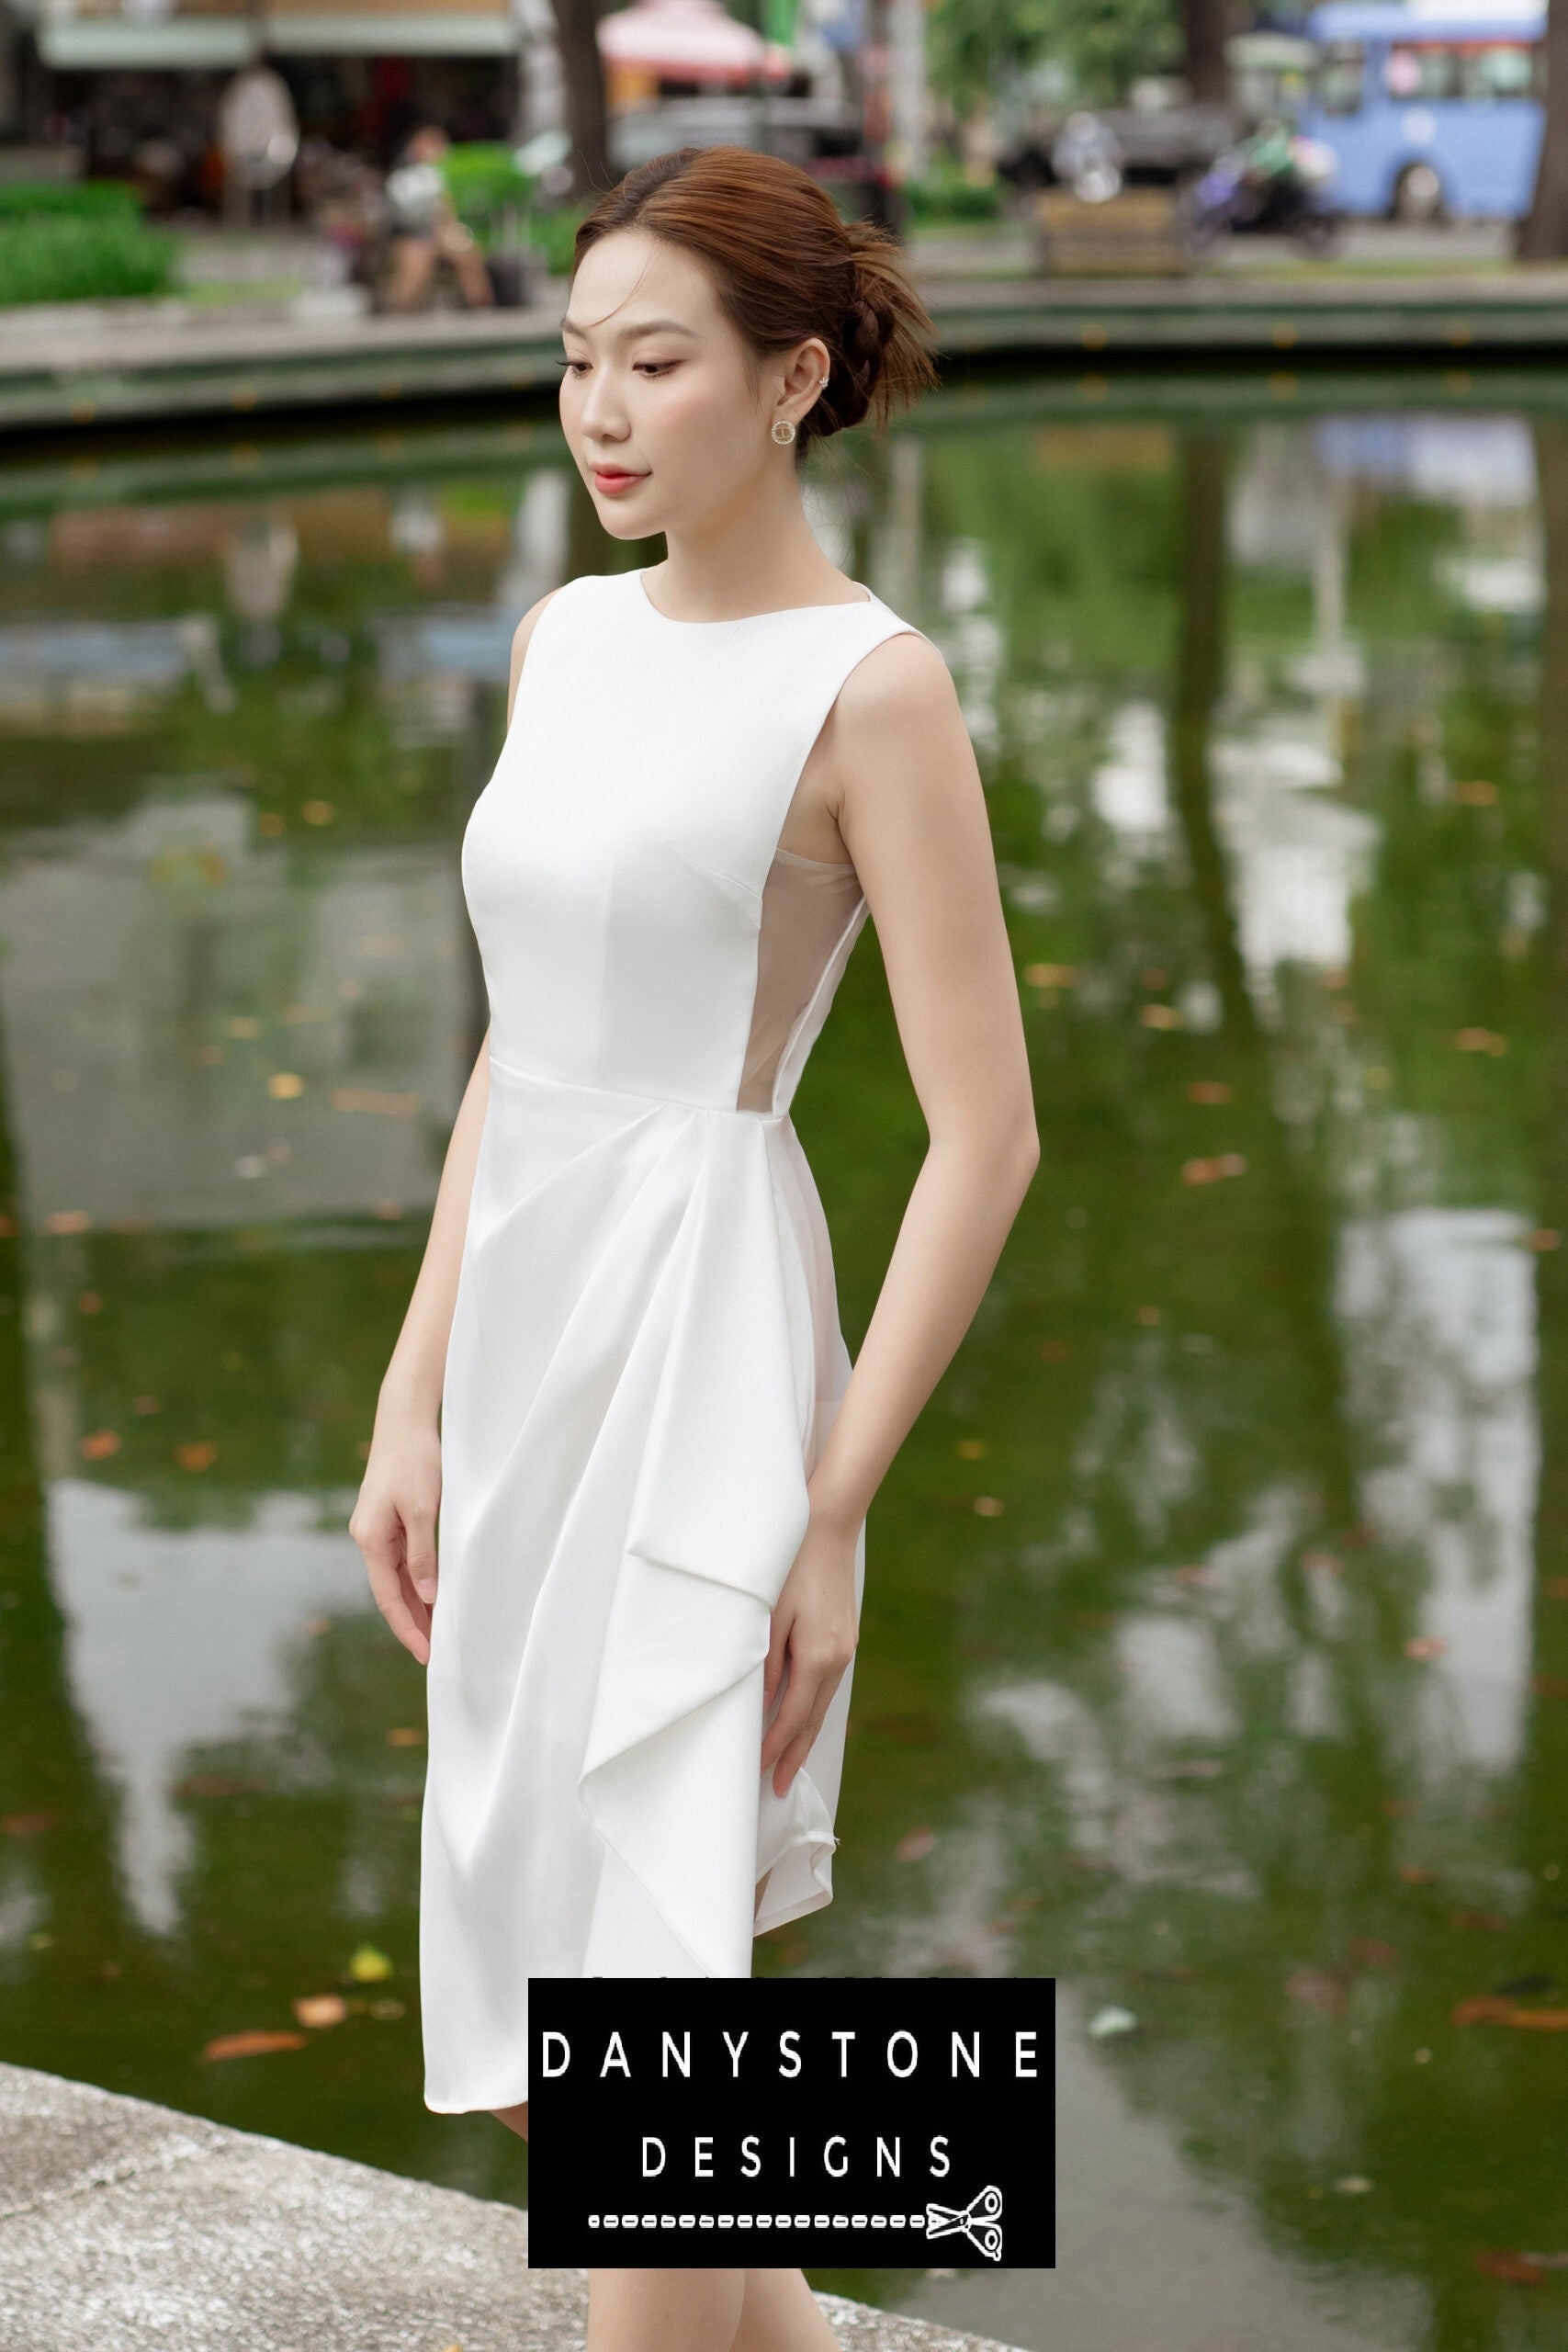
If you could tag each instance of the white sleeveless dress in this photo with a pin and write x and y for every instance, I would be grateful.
(646, 1355)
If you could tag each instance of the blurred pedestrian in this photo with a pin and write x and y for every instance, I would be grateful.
(425, 230)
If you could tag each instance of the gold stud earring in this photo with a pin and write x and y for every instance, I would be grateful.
(783, 429)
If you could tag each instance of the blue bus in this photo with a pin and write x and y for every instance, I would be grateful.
(1433, 108)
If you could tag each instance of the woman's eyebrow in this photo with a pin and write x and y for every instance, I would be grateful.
(636, 326)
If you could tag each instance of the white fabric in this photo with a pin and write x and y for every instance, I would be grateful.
(646, 1355)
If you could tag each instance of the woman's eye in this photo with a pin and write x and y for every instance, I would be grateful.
(571, 364)
(655, 366)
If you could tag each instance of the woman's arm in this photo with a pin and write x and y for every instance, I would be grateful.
(394, 1519)
(911, 809)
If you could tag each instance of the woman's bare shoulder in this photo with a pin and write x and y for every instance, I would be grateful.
(903, 678)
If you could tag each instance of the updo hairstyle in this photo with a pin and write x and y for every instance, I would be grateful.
(784, 265)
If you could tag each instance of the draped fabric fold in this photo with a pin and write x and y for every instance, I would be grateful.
(646, 1280)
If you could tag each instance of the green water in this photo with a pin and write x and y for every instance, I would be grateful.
(1215, 1650)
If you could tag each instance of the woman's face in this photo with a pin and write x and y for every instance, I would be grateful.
(664, 419)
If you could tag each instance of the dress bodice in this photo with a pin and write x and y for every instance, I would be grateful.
(639, 925)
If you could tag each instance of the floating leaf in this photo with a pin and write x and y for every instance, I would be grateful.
(1110, 2021)
(318, 812)
(1160, 1016)
(284, 1085)
(1475, 795)
(386, 2010)
(1050, 976)
(1545, 1238)
(1480, 1041)
(1215, 1171)
(1322, 1989)
(406, 1735)
(1424, 1646)
(1372, 1952)
(24, 1824)
(368, 1966)
(1491, 1923)
(199, 1454)
(1353, 2184)
(319, 2009)
(1549, 1686)
(383, 1104)
(988, 1506)
(914, 1844)
(972, 1448)
(1212, 1090)
(1415, 1875)
(99, 1446)
(257, 2043)
(1518, 2270)
(1496, 2008)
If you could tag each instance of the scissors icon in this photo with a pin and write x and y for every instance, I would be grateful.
(977, 2220)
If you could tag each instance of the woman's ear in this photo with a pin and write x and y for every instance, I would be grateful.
(804, 377)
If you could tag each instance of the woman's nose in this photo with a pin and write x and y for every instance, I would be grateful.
(603, 411)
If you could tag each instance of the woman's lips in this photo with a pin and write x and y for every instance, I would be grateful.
(613, 479)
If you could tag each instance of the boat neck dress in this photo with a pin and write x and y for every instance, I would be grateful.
(646, 1355)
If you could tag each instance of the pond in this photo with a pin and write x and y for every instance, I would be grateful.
(1214, 1658)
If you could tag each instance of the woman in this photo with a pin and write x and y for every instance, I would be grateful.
(653, 1466)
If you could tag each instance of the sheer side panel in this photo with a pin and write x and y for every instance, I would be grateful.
(806, 905)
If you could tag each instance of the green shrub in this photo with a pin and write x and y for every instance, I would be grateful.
(553, 233)
(483, 178)
(943, 194)
(69, 201)
(65, 260)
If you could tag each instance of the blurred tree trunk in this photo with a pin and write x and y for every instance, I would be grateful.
(1204, 24)
(577, 23)
(1543, 232)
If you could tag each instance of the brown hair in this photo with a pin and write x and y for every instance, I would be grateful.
(784, 266)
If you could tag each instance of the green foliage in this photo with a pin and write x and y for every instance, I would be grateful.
(1102, 45)
(67, 260)
(487, 184)
(943, 194)
(553, 233)
(69, 199)
(485, 171)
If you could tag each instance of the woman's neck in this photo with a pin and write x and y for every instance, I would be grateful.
(764, 561)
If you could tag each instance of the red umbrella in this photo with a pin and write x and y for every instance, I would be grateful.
(691, 41)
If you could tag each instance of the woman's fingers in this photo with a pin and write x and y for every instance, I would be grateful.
(419, 1540)
(398, 1606)
(792, 1732)
(381, 1540)
(778, 1650)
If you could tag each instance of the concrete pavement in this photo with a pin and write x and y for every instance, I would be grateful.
(125, 2227)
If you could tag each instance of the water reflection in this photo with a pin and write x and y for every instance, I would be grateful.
(1216, 1652)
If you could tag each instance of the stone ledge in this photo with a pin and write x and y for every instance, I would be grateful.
(125, 2227)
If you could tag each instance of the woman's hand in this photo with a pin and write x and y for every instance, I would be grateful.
(394, 1526)
(814, 1629)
